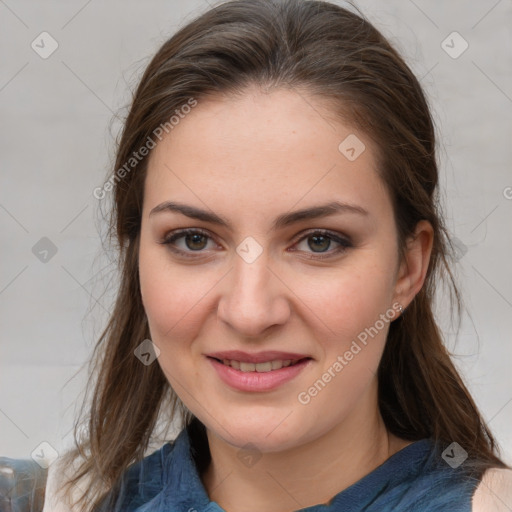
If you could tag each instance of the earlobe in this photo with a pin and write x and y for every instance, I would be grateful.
(414, 266)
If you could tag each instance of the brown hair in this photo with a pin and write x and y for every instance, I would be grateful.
(337, 55)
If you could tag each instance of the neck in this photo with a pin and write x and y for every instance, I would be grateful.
(306, 475)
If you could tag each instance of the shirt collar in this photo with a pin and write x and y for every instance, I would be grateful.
(184, 489)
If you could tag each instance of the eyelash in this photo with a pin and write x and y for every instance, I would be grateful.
(344, 242)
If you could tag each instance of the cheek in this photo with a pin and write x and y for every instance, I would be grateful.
(168, 293)
(354, 309)
(352, 336)
(172, 302)
(177, 300)
(350, 299)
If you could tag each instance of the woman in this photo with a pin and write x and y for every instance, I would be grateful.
(276, 209)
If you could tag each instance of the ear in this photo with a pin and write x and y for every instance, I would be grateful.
(413, 269)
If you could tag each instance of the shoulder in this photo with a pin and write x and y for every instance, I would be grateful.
(57, 499)
(150, 466)
(494, 492)
(139, 484)
(143, 476)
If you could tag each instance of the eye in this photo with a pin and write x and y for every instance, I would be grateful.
(319, 241)
(195, 240)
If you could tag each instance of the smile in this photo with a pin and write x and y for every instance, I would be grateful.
(258, 377)
(266, 366)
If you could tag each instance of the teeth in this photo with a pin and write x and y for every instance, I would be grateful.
(276, 365)
(247, 367)
(267, 366)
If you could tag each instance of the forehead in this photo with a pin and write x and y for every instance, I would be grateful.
(264, 149)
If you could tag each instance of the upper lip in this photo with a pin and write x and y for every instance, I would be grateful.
(257, 357)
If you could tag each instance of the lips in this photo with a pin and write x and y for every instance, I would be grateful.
(258, 357)
(248, 379)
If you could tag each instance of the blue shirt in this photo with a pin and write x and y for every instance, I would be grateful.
(415, 479)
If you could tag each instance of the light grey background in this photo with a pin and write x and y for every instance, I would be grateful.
(56, 138)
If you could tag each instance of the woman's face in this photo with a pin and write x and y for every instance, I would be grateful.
(257, 277)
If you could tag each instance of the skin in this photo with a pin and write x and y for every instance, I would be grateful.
(494, 491)
(249, 160)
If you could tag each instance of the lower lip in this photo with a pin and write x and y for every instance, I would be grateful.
(257, 381)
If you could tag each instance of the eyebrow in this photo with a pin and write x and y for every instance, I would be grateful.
(282, 221)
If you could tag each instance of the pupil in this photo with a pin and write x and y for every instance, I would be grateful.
(321, 237)
(196, 238)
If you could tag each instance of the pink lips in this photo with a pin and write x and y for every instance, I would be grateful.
(257, 381)
(258, 357)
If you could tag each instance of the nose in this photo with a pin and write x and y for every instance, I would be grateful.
(253, 298)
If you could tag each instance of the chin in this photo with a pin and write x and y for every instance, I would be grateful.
(263, 433)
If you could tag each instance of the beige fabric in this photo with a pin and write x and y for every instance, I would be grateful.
(494, 493)
(54, 500)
